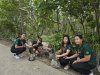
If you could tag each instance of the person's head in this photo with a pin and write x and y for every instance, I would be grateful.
(39, 40)
(78, 39)
(22, 35)
(66, 40)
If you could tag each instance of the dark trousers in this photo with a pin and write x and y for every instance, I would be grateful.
(31, 50)
(82, 67)
(63, 61)
(18, 50)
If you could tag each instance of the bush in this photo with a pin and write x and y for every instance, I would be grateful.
(54, 40)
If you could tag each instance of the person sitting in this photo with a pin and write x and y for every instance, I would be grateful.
(19, 46)
(64, 51)
(83, 60)
(37, 46)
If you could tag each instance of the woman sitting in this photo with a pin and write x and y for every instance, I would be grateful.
(19, 46)
(64, 51)
(83, 60)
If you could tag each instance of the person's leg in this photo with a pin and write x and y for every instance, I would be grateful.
(37, 52)
(63, 61)
(19, 50)
(13, 50)
(32, 54)
(41, 51)
(72, 60)
(34, 50)
(31, 50)
(83, 68)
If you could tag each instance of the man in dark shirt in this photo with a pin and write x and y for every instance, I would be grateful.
(37, 46)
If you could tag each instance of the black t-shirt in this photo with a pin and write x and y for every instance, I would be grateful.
(36, 44)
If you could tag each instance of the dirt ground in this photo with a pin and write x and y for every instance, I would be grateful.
(43, 61)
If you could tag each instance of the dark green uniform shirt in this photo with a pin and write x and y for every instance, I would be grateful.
(20, 42)
(86, 50)
(68, 47)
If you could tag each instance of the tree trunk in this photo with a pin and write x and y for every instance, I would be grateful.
(72, 28)
(32, 16)
(58, 19)
(82, 23)
(97, 11)
(21, 23)
(64, 24)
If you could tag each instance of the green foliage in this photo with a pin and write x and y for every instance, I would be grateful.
(92, 24)
(44, 17)
(89, 18)
(55, 39)
(91, 38)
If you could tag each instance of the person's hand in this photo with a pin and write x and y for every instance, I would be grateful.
(67, 57)
(75, 62)
(34, 45)
(26, 45)
(58, 56)
(49, 49)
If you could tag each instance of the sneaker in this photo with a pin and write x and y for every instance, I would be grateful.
(91, 73)
(66, 67)
(21, 55)
(16, 56)
(88, 74)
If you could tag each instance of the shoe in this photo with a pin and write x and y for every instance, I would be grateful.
(91, 73)
(16, 56)
(88, 74)
(21, 55)
(66, 67)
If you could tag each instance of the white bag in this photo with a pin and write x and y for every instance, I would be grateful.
(55, 63)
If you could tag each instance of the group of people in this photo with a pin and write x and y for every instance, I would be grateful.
(20, 46)
(80, 58)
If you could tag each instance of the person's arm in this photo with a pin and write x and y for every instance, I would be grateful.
(85, 59)
(73, 56)
(16, 46)
(68, 50)
(59, 52)
(49, 49)
(29, 45)
(64, 54)
(35, 44)
(87, 54)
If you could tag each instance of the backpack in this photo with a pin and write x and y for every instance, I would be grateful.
(12, 48)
